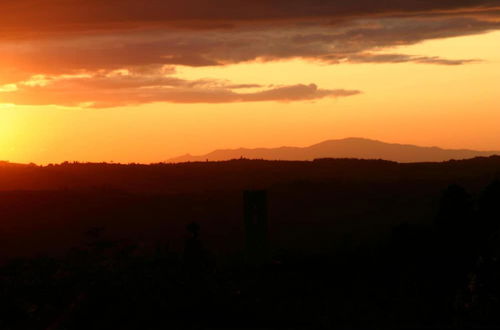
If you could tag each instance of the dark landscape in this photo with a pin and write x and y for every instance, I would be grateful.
(344, 243)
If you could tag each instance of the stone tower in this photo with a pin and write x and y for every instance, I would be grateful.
(255, 215)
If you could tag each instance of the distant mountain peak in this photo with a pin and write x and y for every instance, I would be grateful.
(351, 147)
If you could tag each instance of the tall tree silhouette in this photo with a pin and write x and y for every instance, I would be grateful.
(454, 219)
(489, 211)
(456, 244)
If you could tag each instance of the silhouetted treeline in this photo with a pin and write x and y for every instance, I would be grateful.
(376, 252)
(231, 175)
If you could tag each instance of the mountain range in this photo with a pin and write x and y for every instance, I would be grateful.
(359, 148)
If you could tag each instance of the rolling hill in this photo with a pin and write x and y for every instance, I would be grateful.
(345, 148)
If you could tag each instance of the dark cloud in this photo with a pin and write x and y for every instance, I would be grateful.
(91, 39)
(205, 48)
(34, 16)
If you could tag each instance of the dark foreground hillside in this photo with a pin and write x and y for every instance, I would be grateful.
(312, 205)
(347, 244)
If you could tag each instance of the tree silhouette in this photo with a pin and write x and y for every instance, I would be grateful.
(454, 220)
(456, 251)
(489, 210)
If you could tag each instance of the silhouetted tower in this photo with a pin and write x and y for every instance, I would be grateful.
(255, 208)
(193, 251)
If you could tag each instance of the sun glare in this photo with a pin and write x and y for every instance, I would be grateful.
(7, 130)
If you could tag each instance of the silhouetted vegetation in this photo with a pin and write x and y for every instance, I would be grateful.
(379, 250)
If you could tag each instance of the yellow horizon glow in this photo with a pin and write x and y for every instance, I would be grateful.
(447, 106)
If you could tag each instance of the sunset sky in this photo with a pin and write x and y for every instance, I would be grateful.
(143, 81)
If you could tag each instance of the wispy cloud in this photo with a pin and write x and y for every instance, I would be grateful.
(111, 90)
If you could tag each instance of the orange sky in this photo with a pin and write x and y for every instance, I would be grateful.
(432, 89)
